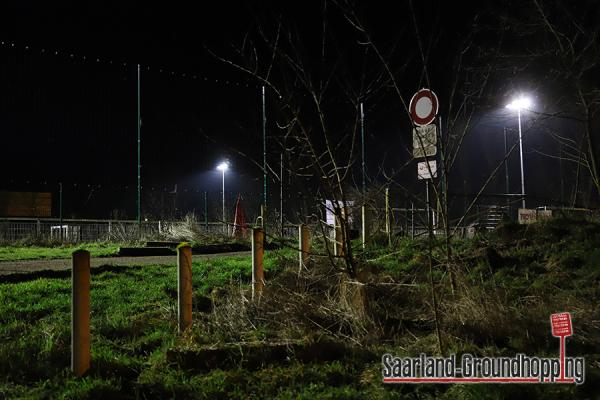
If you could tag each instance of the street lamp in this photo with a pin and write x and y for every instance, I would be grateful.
(223, 167)
(520, 104)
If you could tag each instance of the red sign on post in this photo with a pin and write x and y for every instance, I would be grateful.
(561, 328)
(561, 324)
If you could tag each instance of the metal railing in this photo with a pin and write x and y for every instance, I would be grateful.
(87, 230)
(404, 222)
(94, 230)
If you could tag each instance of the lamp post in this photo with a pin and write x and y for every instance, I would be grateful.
(520, 104)
(506, 181)
(364, 223)
(223, 167)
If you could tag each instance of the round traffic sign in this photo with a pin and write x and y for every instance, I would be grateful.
(423, 107)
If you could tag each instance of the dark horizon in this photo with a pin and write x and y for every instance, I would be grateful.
(68, 100)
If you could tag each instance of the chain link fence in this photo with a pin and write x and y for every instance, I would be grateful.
(14, 230)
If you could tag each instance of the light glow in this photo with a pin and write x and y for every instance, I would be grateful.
(519, 104)
(223, 166)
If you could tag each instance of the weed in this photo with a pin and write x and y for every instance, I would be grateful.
(508, 284)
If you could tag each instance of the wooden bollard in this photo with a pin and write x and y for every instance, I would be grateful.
(80, 312)
(184, 287)
(258, 273)
(304, 246)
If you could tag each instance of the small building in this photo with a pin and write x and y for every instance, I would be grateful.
(25, 204)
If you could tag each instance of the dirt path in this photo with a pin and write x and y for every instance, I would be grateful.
(29, 266)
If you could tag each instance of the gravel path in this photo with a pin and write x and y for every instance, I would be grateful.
(28, 266)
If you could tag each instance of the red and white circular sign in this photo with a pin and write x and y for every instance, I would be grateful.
(423, 107)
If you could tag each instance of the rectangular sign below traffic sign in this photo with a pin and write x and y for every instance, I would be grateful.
(424, 141)
(427, 172)
(422, 152)
(424, 136)
(561, 324)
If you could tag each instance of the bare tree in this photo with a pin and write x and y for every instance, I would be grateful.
(319, 82)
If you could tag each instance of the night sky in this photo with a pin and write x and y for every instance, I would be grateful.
(67, 118)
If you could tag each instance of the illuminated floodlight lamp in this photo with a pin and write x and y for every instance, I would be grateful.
(521, 103)
(518, 104)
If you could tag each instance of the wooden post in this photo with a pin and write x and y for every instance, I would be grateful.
(412, 220)
(304, 246)
(258, 273)
(388, 229)
(338, 243)
(365, 226)
(184, 287)
(80, 312)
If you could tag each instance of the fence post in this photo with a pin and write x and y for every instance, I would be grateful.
(263, 216)
(184, 287)
(80, 312)
(412, 220)
(304, 246)
(338, 244)
(365, 226)
(206, 211)
(405, 233)
(60, 210)
(388, 229)
(258, 273)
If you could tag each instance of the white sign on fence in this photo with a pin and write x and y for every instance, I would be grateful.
(329, 211)
(544, 214)
(425, 171)
(527, 216)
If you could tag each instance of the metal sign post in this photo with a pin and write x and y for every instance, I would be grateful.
(423, 110)
(139, 165)
(264, 146)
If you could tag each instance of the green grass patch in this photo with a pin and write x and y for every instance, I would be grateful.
(14, 253)
(510, 282)
(133, 322)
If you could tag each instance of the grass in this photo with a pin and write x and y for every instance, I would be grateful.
(133, 323)
(14, 253)
(509, 283)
